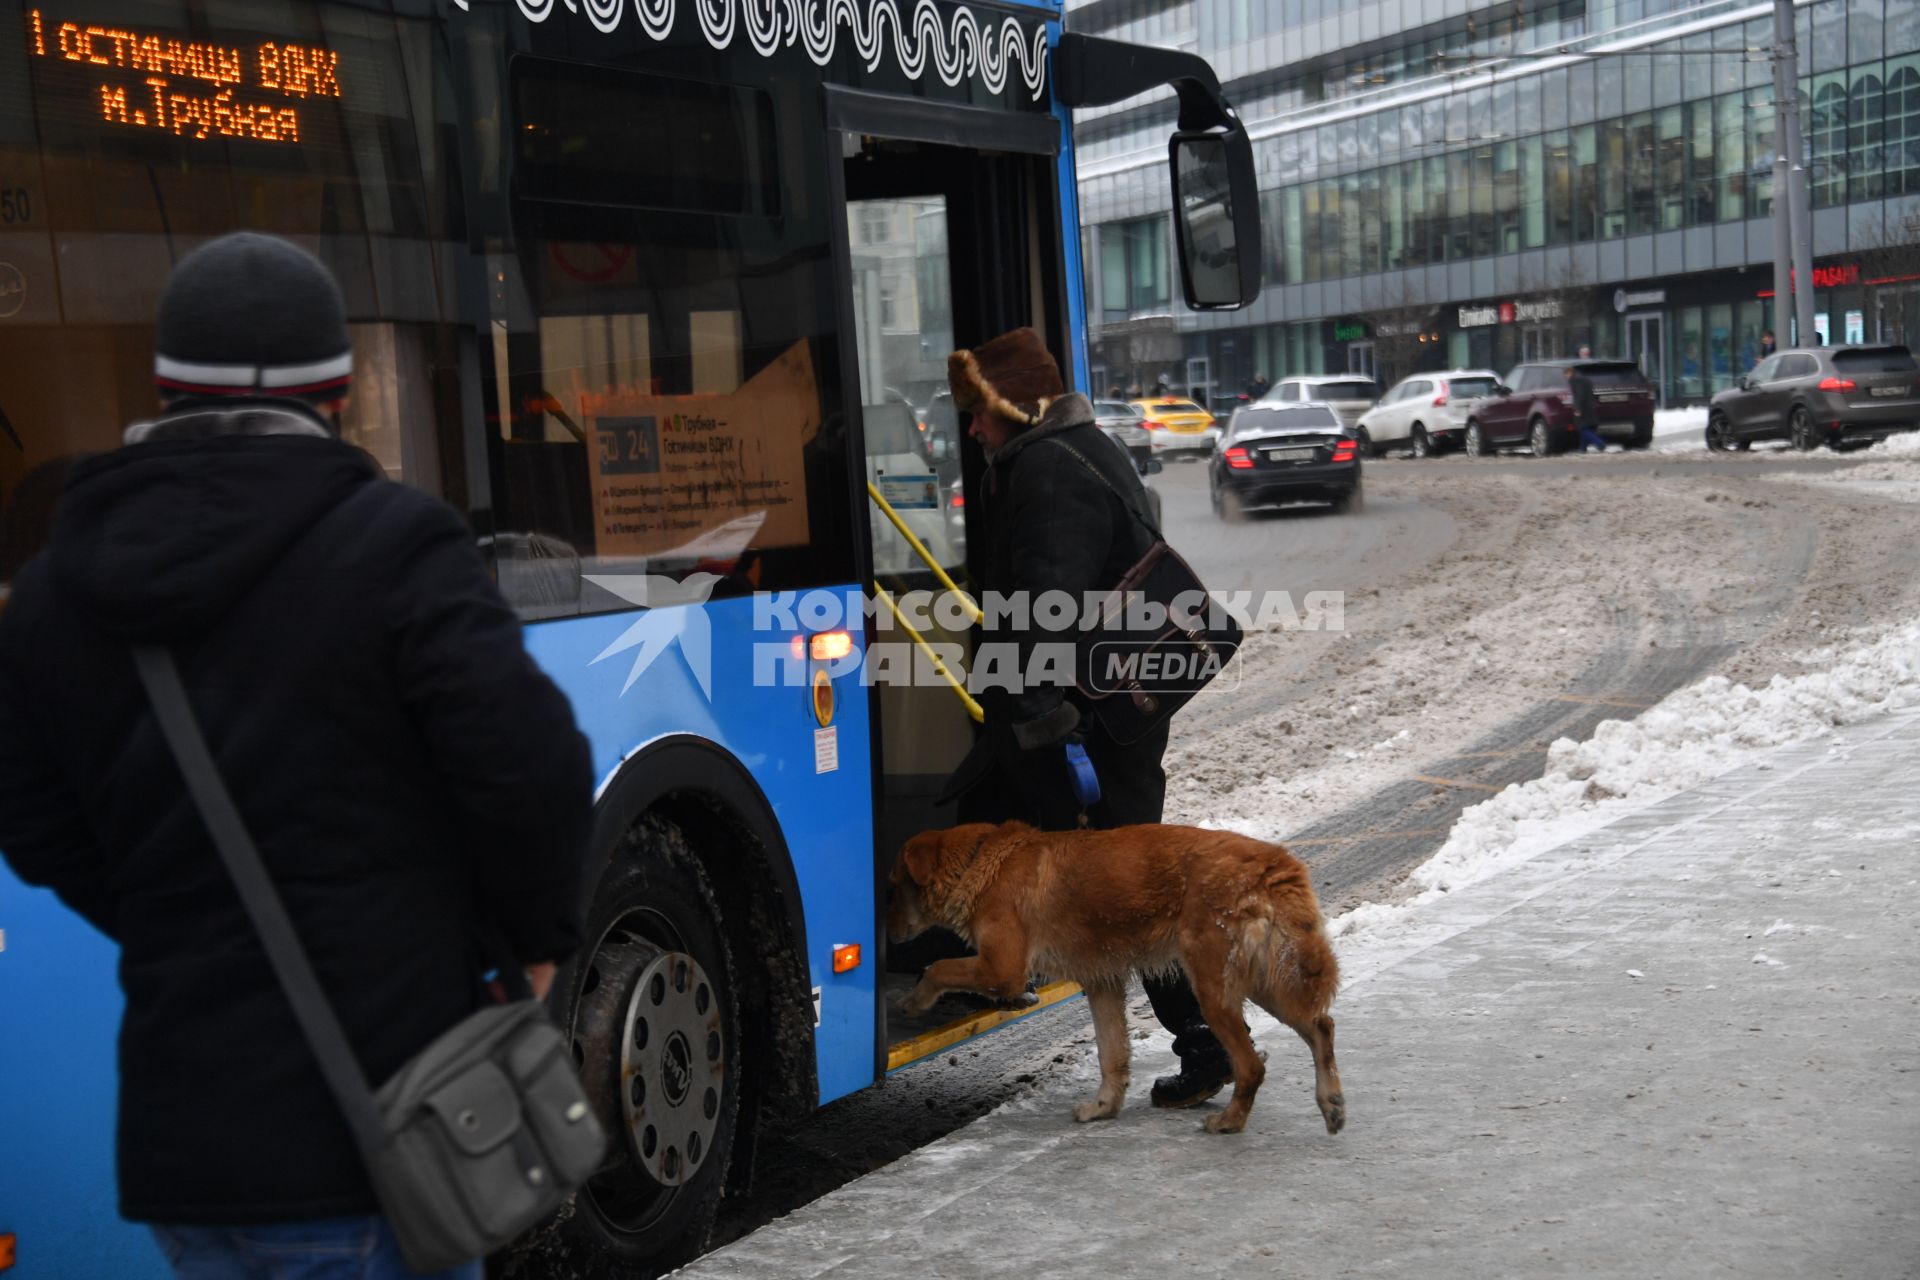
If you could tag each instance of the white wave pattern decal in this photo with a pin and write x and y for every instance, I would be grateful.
(953, 49)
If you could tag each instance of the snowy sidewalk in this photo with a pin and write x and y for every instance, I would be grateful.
(1682, 1045)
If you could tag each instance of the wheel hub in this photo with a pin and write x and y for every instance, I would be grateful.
(651, 1043)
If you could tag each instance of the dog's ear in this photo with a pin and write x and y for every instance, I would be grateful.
(921, 855)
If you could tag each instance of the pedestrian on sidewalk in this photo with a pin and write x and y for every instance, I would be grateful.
(415, 786)
(1058, 520)
(1585, 411)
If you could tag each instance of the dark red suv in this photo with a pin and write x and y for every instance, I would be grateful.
(1534, 407)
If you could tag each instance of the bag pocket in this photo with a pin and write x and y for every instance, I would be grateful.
(557, 1112)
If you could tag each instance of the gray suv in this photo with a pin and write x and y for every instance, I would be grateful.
(1842, 397)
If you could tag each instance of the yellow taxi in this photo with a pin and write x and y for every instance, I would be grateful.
(1178, 425)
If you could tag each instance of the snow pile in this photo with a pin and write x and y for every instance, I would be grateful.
(1675, 430)
(1904, 445)
(1693, 735)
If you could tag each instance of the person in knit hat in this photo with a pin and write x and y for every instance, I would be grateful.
(1057, 518)
(414, 784)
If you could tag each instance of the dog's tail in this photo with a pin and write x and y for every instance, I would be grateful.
(1284, 951)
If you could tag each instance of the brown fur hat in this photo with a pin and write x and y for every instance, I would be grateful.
(1013, 376)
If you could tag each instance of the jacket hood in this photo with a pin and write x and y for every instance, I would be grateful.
(1070, 410)
(158, 540)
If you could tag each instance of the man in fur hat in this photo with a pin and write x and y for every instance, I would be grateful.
(1053, 524)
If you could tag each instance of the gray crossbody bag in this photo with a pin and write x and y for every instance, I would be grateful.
(484, 1133)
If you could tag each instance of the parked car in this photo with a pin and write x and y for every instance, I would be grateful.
(1427, 413)
(1841, 397)
(1277, 453)
(1533, 406)
(1350, 395)
(1125, 426)
(1178, 425)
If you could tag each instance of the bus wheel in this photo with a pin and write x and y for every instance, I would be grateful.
(655, 1029)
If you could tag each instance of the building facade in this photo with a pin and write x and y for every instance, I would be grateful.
(1445, 184)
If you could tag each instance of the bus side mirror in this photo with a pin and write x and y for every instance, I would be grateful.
(1216, 218)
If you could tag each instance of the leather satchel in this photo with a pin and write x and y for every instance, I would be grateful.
(484, 1133)
(1157, 639)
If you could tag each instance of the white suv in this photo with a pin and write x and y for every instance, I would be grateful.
(1427, 412)
(1350, 394)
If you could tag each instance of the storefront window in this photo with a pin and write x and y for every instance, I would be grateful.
(1689, 355)
(1748, 326)
(1720, 348)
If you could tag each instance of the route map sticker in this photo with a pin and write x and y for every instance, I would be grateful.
(667, 469)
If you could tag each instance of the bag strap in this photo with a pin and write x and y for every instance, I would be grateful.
(1146, 521)
(310, 1005)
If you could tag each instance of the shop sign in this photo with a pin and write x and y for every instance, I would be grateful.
(1533, 312)
(1624, 299)
(1349, 332)
(1477, 317)
(1836, 277)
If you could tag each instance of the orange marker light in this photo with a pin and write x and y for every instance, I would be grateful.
(7, 1237)
(846, 957)
(831, 646)
(822, 698)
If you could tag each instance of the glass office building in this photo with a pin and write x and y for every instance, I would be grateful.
(1451, 185)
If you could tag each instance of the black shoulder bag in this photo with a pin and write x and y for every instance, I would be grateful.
(1158, 639)
(484, 1133)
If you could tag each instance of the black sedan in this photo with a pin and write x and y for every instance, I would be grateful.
(1841, 397)
(1276, 453)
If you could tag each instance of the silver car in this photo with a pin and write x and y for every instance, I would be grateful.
(1123, 425)
(1426, 413)
(1350, 394)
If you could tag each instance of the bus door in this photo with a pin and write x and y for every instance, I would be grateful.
(951, 238)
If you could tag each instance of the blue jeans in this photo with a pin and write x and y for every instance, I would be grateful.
(1590, 439)
(328, 1249)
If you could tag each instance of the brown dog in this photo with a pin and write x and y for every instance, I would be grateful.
(1095, 906)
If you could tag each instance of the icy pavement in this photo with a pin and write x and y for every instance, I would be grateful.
(1678, 1045)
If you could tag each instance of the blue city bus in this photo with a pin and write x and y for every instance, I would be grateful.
(659, 293)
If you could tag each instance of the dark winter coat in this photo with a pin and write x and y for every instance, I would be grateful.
(1051, 525)
(412, 781)
(1585, 407)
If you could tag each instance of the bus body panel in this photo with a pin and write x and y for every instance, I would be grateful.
(772, 732)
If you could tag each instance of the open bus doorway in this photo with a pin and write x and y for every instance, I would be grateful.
(947, 246)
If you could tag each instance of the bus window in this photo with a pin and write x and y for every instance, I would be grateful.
(119, 157)
(665, 381)
(903, 325)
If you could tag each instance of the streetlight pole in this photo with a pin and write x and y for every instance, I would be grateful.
(1790, 165)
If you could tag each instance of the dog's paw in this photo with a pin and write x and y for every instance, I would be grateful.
(914, 1002)
(1224, 1122)
(1335, 1111)
(1095, 1110)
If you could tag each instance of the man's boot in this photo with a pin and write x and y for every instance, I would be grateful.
(1205, 1069)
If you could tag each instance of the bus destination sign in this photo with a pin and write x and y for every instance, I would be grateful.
(189, 88)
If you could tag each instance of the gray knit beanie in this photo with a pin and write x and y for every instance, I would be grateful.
(251, 316)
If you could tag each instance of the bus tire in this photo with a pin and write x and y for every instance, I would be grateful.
(652, 1205)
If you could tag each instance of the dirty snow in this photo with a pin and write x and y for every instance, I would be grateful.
(1690, 737)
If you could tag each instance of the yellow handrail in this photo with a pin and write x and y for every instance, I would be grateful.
(939, 667)
(926, 557)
